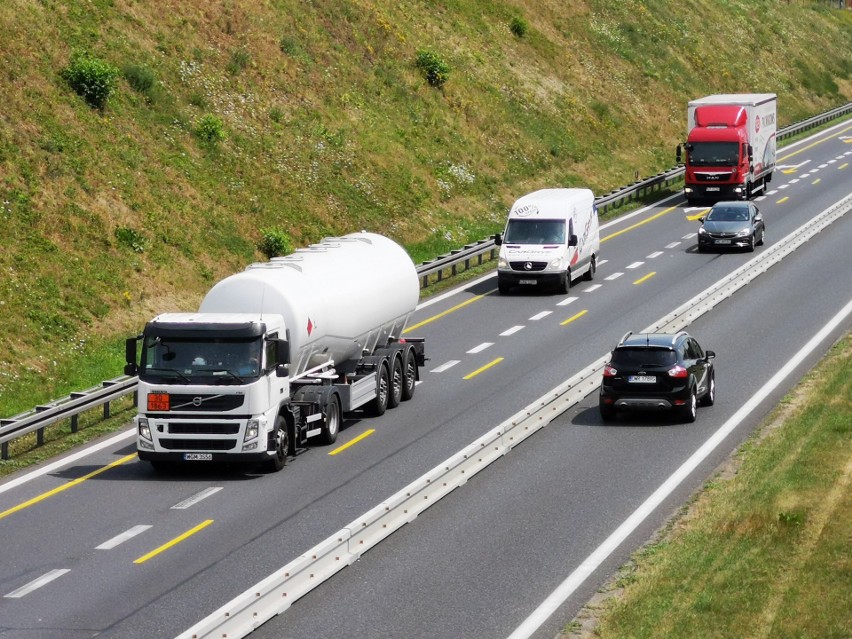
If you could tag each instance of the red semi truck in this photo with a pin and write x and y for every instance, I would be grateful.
(730, 146)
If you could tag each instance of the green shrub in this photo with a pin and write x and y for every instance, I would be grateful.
(91, 78)
(434, 69)
(131, 238)
(140, 78)
(210, 129)
(274, 242)
(519, 26)
(239, 60)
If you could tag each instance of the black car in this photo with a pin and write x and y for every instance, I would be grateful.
(732, 225)
(658, 372)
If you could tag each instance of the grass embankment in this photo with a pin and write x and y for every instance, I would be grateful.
(764, 551)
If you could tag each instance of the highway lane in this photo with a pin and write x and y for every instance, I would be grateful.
(262, 521)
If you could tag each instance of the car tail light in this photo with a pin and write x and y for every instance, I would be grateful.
(678, 371)
(609, 371)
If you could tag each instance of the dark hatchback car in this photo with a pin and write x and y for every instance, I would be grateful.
(732, 225)
(658, 372)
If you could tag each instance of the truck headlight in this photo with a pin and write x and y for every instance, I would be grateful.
(557, 263)
(502, 262)
(144, 429)
(252, 429)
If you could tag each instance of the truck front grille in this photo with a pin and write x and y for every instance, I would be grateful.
(186, 402)
(198, 444)
(192, 428)
(522, 266)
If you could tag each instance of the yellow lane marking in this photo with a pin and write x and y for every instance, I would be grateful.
(638, 224)
(363, 435)
(693, 218)
(647, 277)
(810, 146)
(484, 368)
(70, 484)
(843, 166)
(789, 171)
(782, 200)
(817, 181)
(447, 312)
(574, 317)
(173, 542)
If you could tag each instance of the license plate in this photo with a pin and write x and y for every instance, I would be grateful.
(712, 188)
(641, 379)
(723, 241)
(528, 282)
(198, 456)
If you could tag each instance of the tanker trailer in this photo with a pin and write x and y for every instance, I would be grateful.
(277, 354)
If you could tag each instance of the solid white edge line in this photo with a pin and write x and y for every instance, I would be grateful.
(65, 461)
(593, 561)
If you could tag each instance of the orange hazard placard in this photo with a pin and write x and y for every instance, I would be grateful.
(158, 401)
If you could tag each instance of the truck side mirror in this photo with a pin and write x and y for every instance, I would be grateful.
(750, 153)
(572, 241)
(678, 154)
(282, 352)
(498, 239)
(130, 367)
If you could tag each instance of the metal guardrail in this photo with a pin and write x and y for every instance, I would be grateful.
(71, 406)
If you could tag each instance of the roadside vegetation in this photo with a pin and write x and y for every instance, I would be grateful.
(764, 549)
(148, 149)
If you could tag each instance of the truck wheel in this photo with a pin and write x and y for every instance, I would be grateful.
(502, 286)
(282, 445)
(396, 382)
(380, 404)
(565, 287)
(331, 423)
(409, 375)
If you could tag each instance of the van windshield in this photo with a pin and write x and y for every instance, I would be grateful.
(535, 232)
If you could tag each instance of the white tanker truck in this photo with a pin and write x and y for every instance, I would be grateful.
(277, 353)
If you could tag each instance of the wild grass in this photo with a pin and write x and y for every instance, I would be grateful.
(312, 118)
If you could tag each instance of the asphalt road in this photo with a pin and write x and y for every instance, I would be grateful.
(481, 560)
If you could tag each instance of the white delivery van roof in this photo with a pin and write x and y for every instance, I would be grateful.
(551, 203)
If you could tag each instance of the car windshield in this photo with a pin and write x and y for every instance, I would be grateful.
(714, 154)
(643, 357)
(727, 214)
(535, 232)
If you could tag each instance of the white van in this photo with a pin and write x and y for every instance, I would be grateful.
(552, 236)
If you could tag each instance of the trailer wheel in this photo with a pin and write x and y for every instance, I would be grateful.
(396, 382)
(409, 374)
(379, 405)
(282, 446)
(331, 425)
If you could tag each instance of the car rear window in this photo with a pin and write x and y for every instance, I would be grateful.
(643, 357)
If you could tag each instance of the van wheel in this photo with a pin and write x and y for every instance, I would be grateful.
(396, 383)
(590, 274)
(379, 405)
(565, 287)
(409, 375)
(502, 286)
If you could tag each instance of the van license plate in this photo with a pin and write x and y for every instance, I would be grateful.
(723, 241)
(198, 456)
(528, 282)
(641, 379)
(712, 188)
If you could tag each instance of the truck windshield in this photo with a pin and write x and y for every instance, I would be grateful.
(535, 232)
(714, 154)
(199, 361)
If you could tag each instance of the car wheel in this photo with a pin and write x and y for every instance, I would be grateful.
(607, 412)
(710, 396)
(690, 411)
(750, 247)
(762, 237)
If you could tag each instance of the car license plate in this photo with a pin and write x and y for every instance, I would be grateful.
(528, 282)
(723, 241)
(198, 456)
(641, 379)
(712, 188)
